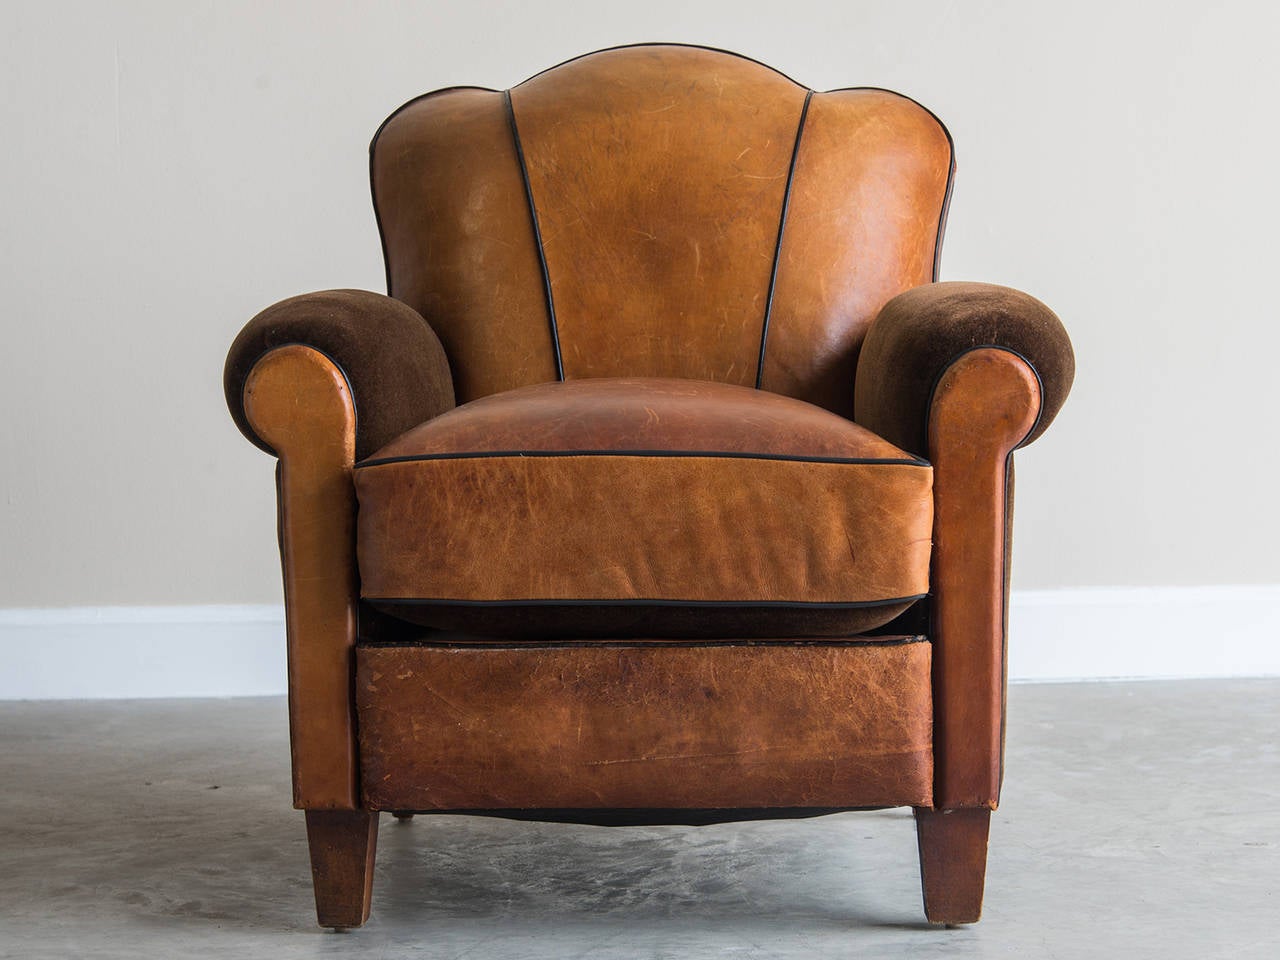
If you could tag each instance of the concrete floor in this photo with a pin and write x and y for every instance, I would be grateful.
(1139, 820)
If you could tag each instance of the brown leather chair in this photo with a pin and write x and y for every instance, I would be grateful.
(718, 527)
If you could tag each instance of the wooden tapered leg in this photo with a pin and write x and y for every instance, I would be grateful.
(953, 862)
(343, 843)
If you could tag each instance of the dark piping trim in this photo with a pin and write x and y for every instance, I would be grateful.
(537, 234)
(646, 602)
(704, 454)
(470, 644)
(946, 200)
(555, 333)
(782, 229)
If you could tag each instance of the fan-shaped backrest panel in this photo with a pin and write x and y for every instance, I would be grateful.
(659, 211)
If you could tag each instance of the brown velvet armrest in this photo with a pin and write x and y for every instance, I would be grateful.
(392, 360)
(919, 334)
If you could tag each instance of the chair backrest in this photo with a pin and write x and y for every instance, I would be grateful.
(659, 210)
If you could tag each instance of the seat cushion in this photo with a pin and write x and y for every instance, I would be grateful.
(643, 508)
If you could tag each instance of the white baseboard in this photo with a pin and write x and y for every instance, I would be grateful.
(107, 652)
(1104, 633)
(222, 651)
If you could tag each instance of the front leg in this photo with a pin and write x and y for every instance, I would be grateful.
(953, 862)
(343, 844)
(298, 400)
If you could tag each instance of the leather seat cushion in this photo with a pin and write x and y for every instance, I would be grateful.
(643, 508)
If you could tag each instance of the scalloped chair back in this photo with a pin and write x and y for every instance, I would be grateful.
(661, 211)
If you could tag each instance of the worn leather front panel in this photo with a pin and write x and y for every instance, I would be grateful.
(632, 727)
(629, 528)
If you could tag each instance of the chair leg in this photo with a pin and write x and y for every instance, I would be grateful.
(343, 843)
(953, 862)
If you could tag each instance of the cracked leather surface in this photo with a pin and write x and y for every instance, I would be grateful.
(610, 525)
(628, 727)
(658, 174)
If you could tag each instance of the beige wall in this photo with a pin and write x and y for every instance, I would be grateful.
(170, 168)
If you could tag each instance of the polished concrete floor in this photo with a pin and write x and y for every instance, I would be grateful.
(1139, 820)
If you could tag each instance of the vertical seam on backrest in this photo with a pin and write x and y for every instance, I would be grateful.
(537, 233)
(782, 228)
(946, 198)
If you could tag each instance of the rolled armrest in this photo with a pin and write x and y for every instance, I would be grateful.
(920, 333)
(392, 360)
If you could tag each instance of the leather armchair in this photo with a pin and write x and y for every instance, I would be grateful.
(719, 528)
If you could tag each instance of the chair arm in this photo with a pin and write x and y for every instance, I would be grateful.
(963, 373)
(919, 334)
(393, 362)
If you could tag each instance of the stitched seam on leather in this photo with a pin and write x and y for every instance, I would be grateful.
(1005, 538)
(633, 602)
(674, 454)
(537, 233)
(946, 198)
(529, 645)
(782, 229)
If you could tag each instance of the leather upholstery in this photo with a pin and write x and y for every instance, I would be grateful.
(985, 405)
(661, 228)
(297, 400)
(646, 493)
(659, 177)
(641, 414)
(621, 726)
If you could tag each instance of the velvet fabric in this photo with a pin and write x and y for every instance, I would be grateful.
(918, 334)
(392, 360)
